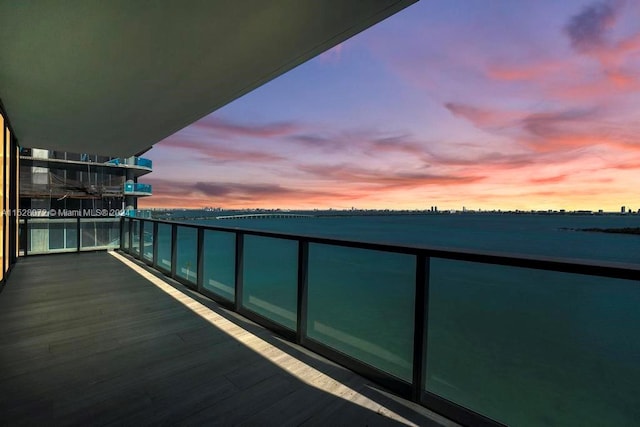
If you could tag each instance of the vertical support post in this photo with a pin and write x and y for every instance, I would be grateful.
(420, 325)
(200, 258)
(154, 258)
(174, 249)
(78, 236)
(239, 271)
(303, 267)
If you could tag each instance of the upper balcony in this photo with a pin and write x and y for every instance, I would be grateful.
(485, 339)
(137, 189)
(138, 166)
(133, 162)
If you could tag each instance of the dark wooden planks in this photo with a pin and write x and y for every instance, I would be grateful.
(86, 340)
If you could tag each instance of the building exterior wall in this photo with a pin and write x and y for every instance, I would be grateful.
(8, 196)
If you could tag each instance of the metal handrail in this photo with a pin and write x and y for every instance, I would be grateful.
(610, 269)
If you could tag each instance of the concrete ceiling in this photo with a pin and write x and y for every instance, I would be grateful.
(114, 77)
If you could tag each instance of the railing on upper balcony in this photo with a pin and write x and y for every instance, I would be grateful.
(137, 188)
(146, 163)
(481, 338)
(133, 161)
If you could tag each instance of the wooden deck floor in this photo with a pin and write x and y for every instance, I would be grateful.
(85, 339)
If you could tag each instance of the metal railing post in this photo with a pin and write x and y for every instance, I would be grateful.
(174, 249)
(303, 267)
(26, 236)
(421, 310)
(78, 234)
(154, 258)
(239, 273)
(121, 233)
(200, 258)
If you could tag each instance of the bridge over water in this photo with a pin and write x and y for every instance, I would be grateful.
(265, 215)
(245, 216)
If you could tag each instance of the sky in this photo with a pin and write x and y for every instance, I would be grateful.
(479, 104)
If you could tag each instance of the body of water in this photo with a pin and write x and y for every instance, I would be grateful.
(521, 234)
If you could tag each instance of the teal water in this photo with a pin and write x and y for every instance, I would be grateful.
(525, 347)
(544, 235)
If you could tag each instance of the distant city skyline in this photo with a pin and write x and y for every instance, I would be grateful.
(502, 105)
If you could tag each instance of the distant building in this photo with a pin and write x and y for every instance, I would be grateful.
(622, 209)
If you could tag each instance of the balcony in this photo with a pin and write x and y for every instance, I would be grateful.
(138, 166)
(139, 162)
(481, 338)
(137, 189)
(92, 338)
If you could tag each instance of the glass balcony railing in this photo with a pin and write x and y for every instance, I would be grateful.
(132, 161)
(145, 163)
(137, 188)
(54, 235)
(483, 339)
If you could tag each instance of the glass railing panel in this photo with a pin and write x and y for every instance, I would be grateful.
(135, 237)
(270, 274)
(186, 253)
(141, 161)
(130, 187)
(52, 236)
(142, 188)
(125, 234)
(99, 233)
(164, 246)
(532, 347)
(147, 242)
(219, 263)
(361, 303)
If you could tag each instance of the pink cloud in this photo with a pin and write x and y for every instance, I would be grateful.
(384, 180)
(529, 71)
(549, 179)
(481, 116)
(215, 125)
(217, 153)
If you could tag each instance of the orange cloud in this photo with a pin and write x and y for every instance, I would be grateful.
(549, 179)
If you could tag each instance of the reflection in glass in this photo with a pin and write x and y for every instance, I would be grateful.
(219, 263)
(147, 244)
(186, 257)
(164, 246)
(135, 236)
(270, 278)
(361, 303)
(534, 347)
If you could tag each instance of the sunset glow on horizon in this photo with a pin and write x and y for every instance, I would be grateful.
(487, 105)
